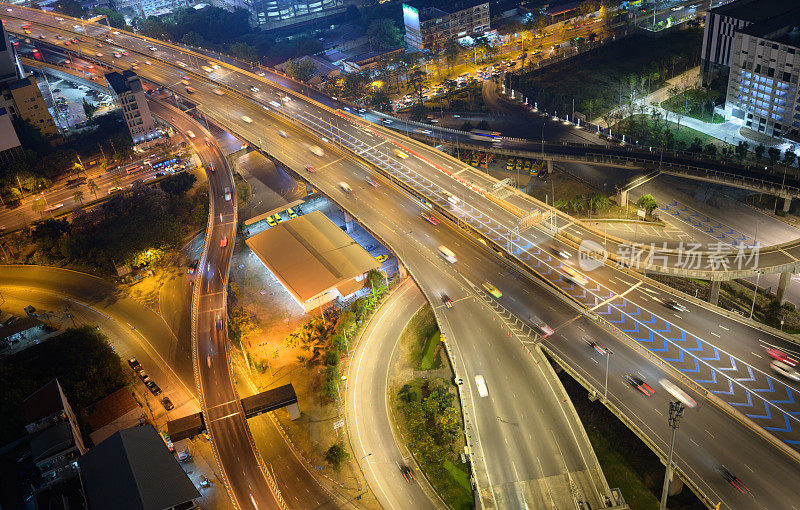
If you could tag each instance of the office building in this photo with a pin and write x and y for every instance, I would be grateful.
(10, 148)
(9, 70)
(145, 8)
(127, 88)
(763, 84)
(282, 14)
(55, 438)
(722, 24)
(430, 28)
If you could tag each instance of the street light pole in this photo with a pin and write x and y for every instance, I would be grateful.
(675, 414)
(755, 291)
(605, 388)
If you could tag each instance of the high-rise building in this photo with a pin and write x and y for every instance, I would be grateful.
(278, 14)
(764, 71)
(53, 429)
(722, 24)
(9, 71)
(429, 28)
(28, 104)
(127, 87)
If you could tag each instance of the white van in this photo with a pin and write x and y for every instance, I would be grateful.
(345, 187)
(480, 383)
(448, 255)
(452, 198)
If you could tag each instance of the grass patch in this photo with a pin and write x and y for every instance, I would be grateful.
(457, 474)
(639, 128)
(598, 80)
(417, 334)
(697, 103)
(429, 352)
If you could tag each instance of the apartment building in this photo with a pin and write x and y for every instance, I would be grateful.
(429, 28)
(763, 84)
(127, 88)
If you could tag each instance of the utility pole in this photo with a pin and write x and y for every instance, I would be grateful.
(675, 414)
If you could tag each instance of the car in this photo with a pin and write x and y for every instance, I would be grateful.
(447, 301)
(639, 383)
(192, 267)
(152, 48)
(247, 119)
(310, 168)
(189, 89)
(732, 479)
(400, 154)
(167, 403)
(42, 36)
(560, 252)
(147, 62)
(372, 182)
(190, 133)
(540, 327)
(480, 384)
(781, 356)
(574, 275)
(674, 390)
(345, 187)
(227, 194)
(674, 305)
(218, 92)
(218, 322)
(114, 189)
(430, 218)
(785, 370)
(134, 363)
(291, 212)
(99, 45)
(153, 387)
(253, 89)
(117, 55)
(370, 247)
(316, 150)
(597, 346)
(271, 222)
(382, 258)
(407, 473)
(491, 289)
(283, 134)
(277, 217)
(143, 375)
(98, 54)
(224, 241)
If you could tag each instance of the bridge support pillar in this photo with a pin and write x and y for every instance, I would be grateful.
(622, 197)
(401, 270)
(713, 293)
(309, 189)
(787, 203)
(549, 166)
(348, 222)
(786, 277)
(675, 485)
(293, 410)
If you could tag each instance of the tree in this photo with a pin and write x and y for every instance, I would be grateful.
(741, 150)
(451, 51)
(788, 157)
(648, 203)
(336, 455)
(115, 19)
(70, 8)
(417, 81)
(89, 109)
(78, 196)
(577, 204)
(192, 38)
(598, 202)
(711, 150)
(178, 184)
(383, 34)
(774, 154)
(244, 51)
(38, 205)
(93, 187)
(301, 70)
(759, 150)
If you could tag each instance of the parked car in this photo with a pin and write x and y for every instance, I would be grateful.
(134, 363)
(167, 403)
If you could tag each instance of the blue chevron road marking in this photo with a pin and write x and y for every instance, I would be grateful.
(770, 388)
(732, 367)
(749, 403)
(715, 357)
(750, 379)
(789, 394)
(713, 380)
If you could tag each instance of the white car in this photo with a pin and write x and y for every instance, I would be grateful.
(480, 383)
(283, 134)
(247, 119)
(219, 92)
(674, 390)
(785, 370)
(227, 194)
(316, 150)
(345, 187)
(253, 89)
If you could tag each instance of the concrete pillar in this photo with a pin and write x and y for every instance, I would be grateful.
(549, 166)
(622, 197)
(675, 485)
(293, 410)
(713, 293)
(309, 189)
(786, 277)
(787, 203)
(348, 222)
(401, 270)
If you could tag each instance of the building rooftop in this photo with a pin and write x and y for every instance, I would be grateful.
(754, 10)
(310, 254)
(24, 324)
(783, 28)
(51, 441)
(134, 470)
(42, 403)
(121, 82)
(108, 409)
(429, 12)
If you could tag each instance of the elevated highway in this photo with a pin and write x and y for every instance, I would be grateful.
(613, 292)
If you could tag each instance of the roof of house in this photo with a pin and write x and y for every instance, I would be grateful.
(43, 402)
(782, 28)
(51, 441)
(310, 254)
(24, 324)
(429, 12)
(120, 82)
(110, 408)
(753, 10)
(134, 470)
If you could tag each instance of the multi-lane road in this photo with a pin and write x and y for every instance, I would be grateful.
(500, 480)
